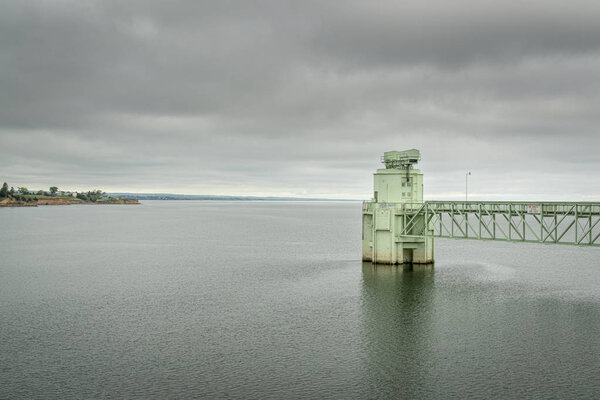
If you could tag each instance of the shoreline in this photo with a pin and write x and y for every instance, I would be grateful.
(9, 202)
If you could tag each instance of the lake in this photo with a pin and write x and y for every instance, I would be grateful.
(270, 300)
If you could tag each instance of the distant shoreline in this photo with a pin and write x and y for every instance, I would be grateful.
(60, 201)
(170, 196)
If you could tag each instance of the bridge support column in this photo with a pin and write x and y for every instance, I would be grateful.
(423, 253)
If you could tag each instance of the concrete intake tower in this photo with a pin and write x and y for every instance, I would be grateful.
(398, 192)
(398, 227)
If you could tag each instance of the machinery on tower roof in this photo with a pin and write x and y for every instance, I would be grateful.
(401, 159)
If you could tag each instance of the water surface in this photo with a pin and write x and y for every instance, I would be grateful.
(193, 299)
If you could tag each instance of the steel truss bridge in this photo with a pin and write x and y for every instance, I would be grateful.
(534, 222)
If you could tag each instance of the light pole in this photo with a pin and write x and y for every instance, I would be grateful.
(467, 185)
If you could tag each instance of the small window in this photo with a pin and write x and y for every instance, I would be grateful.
(403, 184)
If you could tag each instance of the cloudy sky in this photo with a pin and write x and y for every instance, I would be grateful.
(300, 98)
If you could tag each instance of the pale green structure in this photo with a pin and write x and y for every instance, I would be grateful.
(398, 189)
(399, 227)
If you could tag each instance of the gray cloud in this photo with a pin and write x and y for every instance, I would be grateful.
(301, 98)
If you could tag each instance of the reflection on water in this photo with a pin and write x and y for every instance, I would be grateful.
(397, 311)
(465, 331)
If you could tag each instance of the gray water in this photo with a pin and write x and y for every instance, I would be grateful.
(258, 300)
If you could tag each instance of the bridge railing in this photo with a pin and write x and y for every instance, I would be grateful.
(536, 222)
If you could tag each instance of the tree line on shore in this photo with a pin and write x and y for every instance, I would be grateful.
(24, 194)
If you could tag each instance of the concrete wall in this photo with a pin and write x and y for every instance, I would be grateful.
(396, 192)
(398, 186)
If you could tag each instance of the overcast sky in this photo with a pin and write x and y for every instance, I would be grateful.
(301, 98)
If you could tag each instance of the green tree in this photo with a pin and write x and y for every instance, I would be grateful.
(53, 190)
(23, 190)
(12, 190)
(4, 190)
(40, 193)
